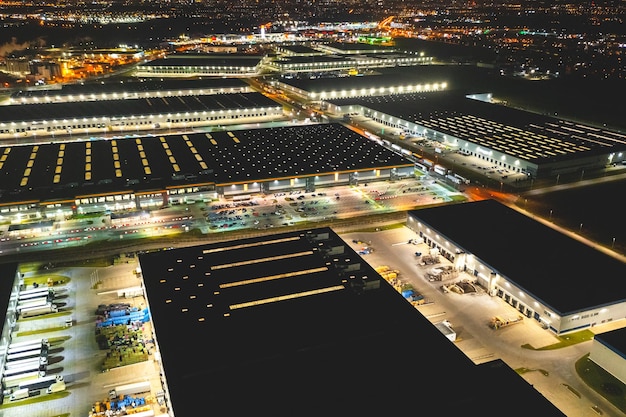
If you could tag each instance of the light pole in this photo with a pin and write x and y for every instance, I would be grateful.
(580, 229)
(613, 244)
(550, 214)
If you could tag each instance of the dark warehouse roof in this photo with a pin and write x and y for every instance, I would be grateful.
(131, 87)
(528, 136)
(298, 324)
(562, 272)
(387, 77)
(132, 107)
(66, 170)
(206, 60)
(614, 340)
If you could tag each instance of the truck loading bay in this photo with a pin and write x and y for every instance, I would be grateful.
(102, 368)
(484, 327)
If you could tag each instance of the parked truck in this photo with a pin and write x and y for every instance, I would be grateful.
(15, 380)
(19, 394)
(37, 311)
(40, 383)
(57, 386)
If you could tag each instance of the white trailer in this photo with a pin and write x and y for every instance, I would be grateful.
(16, 380)
(35, 302)
(29, 354)
(40, 383)
(42, 360)
(35, 293)
(29, 342)
(23, 348)
(440, 169)
(19, 394)
(25, 369)
(37, 311)
(56, 387)
(130, 389)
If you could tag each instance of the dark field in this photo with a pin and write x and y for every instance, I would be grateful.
(599, 208)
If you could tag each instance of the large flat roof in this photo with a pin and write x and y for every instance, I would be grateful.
(614, 340)
(529, 136)
(7, 272)
(132, 87)
(561, 271)
(396, 77)
(132, 107)
(65, 170)
(298, 323)
(206, 60)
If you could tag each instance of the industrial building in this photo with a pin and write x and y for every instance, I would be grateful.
(319, 90)
(131, 88)
(608, 350)
(557, 280)
(153, 171)
(298, 323)
(538, 145)
(134, 115)
(192, 65)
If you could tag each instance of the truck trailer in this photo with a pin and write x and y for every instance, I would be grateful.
(40, 383)
(25, 369)
(129, 389)
(37, 311)
(15, 380)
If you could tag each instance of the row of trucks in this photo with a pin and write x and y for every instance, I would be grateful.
(36, 301)
(25, 370)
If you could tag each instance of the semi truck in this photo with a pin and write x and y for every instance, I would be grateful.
(19, 394)
(29, 354)
(20, 363)
(25, 369)
(37, 311)
(43, 341)
(24, 347)
(57, 386)
(35, 291)
(40, 383)
(15, 380)
(43, 292)
(129, 389)
(34, 302)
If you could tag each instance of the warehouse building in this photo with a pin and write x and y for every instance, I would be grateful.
(193, 65)
(153, 171)
(134, 116)
(167, 87)
(424, 78)
(298, 323)
(557, 280)
(519, 141)
(608, 350)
